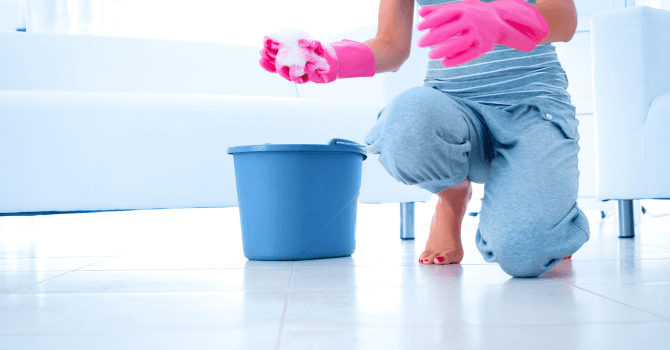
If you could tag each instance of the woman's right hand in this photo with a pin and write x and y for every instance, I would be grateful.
(295, 56)
(299, 59)
(269, 54)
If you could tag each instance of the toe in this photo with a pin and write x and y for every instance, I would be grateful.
(448, 257)
(430, 259)
(424, 258)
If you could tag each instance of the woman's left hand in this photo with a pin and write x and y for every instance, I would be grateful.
(471, 25)
(476, 27)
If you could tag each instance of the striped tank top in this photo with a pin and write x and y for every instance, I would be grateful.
(507, 77)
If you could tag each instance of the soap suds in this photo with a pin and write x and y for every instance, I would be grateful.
(292, 53)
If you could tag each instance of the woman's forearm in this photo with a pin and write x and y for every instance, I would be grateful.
(387, 57)
(561, 17)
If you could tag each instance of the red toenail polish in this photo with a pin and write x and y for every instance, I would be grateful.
(439, 258)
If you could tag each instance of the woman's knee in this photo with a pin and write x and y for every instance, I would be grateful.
(421, 136)
(515, 258)
(529, 265)
(525, 251)
(416, 115)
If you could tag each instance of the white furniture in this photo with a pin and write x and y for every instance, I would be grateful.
(631, 90)
(93, 123)
(12, 15)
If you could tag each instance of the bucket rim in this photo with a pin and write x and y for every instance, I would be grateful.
(268, 147)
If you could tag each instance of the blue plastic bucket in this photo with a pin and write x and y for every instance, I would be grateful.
(298, 202)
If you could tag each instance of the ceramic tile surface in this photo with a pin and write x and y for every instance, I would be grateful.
(178, 279)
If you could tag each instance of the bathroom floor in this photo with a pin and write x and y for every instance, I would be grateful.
(177, 279)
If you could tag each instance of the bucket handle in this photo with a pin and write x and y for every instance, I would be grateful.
(349, 143)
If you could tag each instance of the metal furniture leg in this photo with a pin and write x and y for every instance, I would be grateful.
(626, 219)
(407, 220)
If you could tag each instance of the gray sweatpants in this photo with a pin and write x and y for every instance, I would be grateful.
(529, 219)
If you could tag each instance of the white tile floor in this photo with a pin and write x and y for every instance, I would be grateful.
(177, 279)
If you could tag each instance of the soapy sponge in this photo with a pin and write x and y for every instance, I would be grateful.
(296, 49)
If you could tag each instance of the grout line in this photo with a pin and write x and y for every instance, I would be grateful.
(654, 245)
(28, 286)
(622, 303)
(283, 317)
(58, 257)
(621, 283)
(476, 326)
(67, 257)
(184, 269)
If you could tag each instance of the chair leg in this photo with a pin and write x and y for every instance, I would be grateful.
(626, 219)
(407, 220)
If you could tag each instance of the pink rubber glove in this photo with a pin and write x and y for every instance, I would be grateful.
(478, 27)
(297, 57)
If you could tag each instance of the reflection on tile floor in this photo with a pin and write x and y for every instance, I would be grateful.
(178, 279)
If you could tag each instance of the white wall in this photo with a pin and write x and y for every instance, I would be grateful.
(233, 22)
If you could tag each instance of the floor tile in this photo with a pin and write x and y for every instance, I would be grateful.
(169, 279)
(235, 339)
(624, 250)
(654, 236)
(60, 236)
(514, 303)
(652, 297)
(11, 281)
(169, 259)
(649, 232)
(166, 281)
(139, 312)
(46, 264)
(554, 337)
(624, 271)
(424, 276)
(50, 249)
(384, 249)
(361, 258)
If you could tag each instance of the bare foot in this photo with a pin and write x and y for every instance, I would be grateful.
(444, 242)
